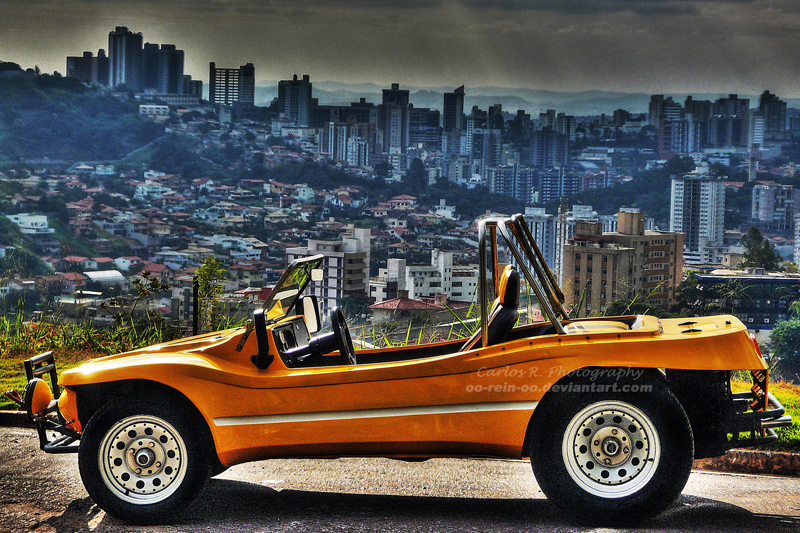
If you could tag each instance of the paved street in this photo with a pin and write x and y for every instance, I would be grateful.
(43, 493)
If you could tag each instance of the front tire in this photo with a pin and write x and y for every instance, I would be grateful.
(611, 457)
(142, 461)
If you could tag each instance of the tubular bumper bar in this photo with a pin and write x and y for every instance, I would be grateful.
(760, 425)
(68, 440)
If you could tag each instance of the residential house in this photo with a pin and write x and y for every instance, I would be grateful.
(71, 281)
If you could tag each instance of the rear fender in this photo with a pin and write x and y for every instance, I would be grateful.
(586, 377)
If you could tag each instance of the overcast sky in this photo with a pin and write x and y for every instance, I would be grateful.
(651, 46)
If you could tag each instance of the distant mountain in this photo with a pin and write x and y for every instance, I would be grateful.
(533, 101)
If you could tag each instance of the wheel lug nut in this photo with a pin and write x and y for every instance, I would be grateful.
(152, 444)
(597, 443)
(626, 449)
(138, 470)
(158, 465)
(614, 432)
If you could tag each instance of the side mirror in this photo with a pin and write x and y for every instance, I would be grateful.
(310, 309)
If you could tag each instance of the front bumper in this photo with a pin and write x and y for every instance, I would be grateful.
(66, 440)
(750, 425)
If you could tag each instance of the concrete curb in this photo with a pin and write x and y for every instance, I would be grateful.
(753, 462)
(738, 461)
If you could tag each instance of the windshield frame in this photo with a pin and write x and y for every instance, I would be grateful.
(529, 259)
(296, 277)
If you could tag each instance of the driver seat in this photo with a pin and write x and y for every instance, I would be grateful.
(504, 313)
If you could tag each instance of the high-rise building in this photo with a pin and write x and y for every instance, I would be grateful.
(453, 111)
(395, 95)
(673, 131)
(603, 267)
(678, 137)
(394, 123)
(247, 85)
(543, 229)
(773, 205)
(697, 209)
(125, 58)
(80, 67)
(486, 149)
(729, 123)
(700, 111)
(230, 86)
(555, 183)
(549, 149)
(162, 69)
(294, 100)
(655, 109)
(192, 87)
(423, 128)
(516, 181)
(547, 119)
(101, 68)
(774, 110)
(757, 129)
(361, 112)
(566, 125)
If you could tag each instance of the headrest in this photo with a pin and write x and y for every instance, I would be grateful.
(509, 287)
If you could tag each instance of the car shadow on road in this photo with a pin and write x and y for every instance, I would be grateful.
(237, 501)
(228, 503)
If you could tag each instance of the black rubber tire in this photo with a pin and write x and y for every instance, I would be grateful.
(555, 453)
(136, 425)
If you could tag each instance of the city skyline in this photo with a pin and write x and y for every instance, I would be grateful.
(665, 46)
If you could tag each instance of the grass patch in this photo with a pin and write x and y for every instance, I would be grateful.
(71, 243)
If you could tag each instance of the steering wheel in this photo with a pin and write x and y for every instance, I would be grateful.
(342, 336)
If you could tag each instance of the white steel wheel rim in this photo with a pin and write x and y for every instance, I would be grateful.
(142, 459)
(611, 449)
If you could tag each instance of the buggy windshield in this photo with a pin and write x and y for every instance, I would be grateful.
(290, 287)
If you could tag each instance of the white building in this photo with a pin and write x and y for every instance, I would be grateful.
(31, 224)
(153, 110)
(151, 190)
(425, 281)
(543, 229)
(444, 210)
(346, 265)
(697, 209)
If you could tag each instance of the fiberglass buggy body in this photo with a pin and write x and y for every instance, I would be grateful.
(611, 411)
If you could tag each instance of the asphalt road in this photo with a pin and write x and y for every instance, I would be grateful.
(43, 493)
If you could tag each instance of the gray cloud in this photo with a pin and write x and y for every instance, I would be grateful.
(632, 45)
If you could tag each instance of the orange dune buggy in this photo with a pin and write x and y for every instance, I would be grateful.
(611, 411)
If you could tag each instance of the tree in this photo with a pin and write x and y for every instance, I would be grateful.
(726, 296)
(759, 252)
(416, 178)
(355, 305)
(785, 340)
(210, 276)
(383, 170)
(679, 165)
